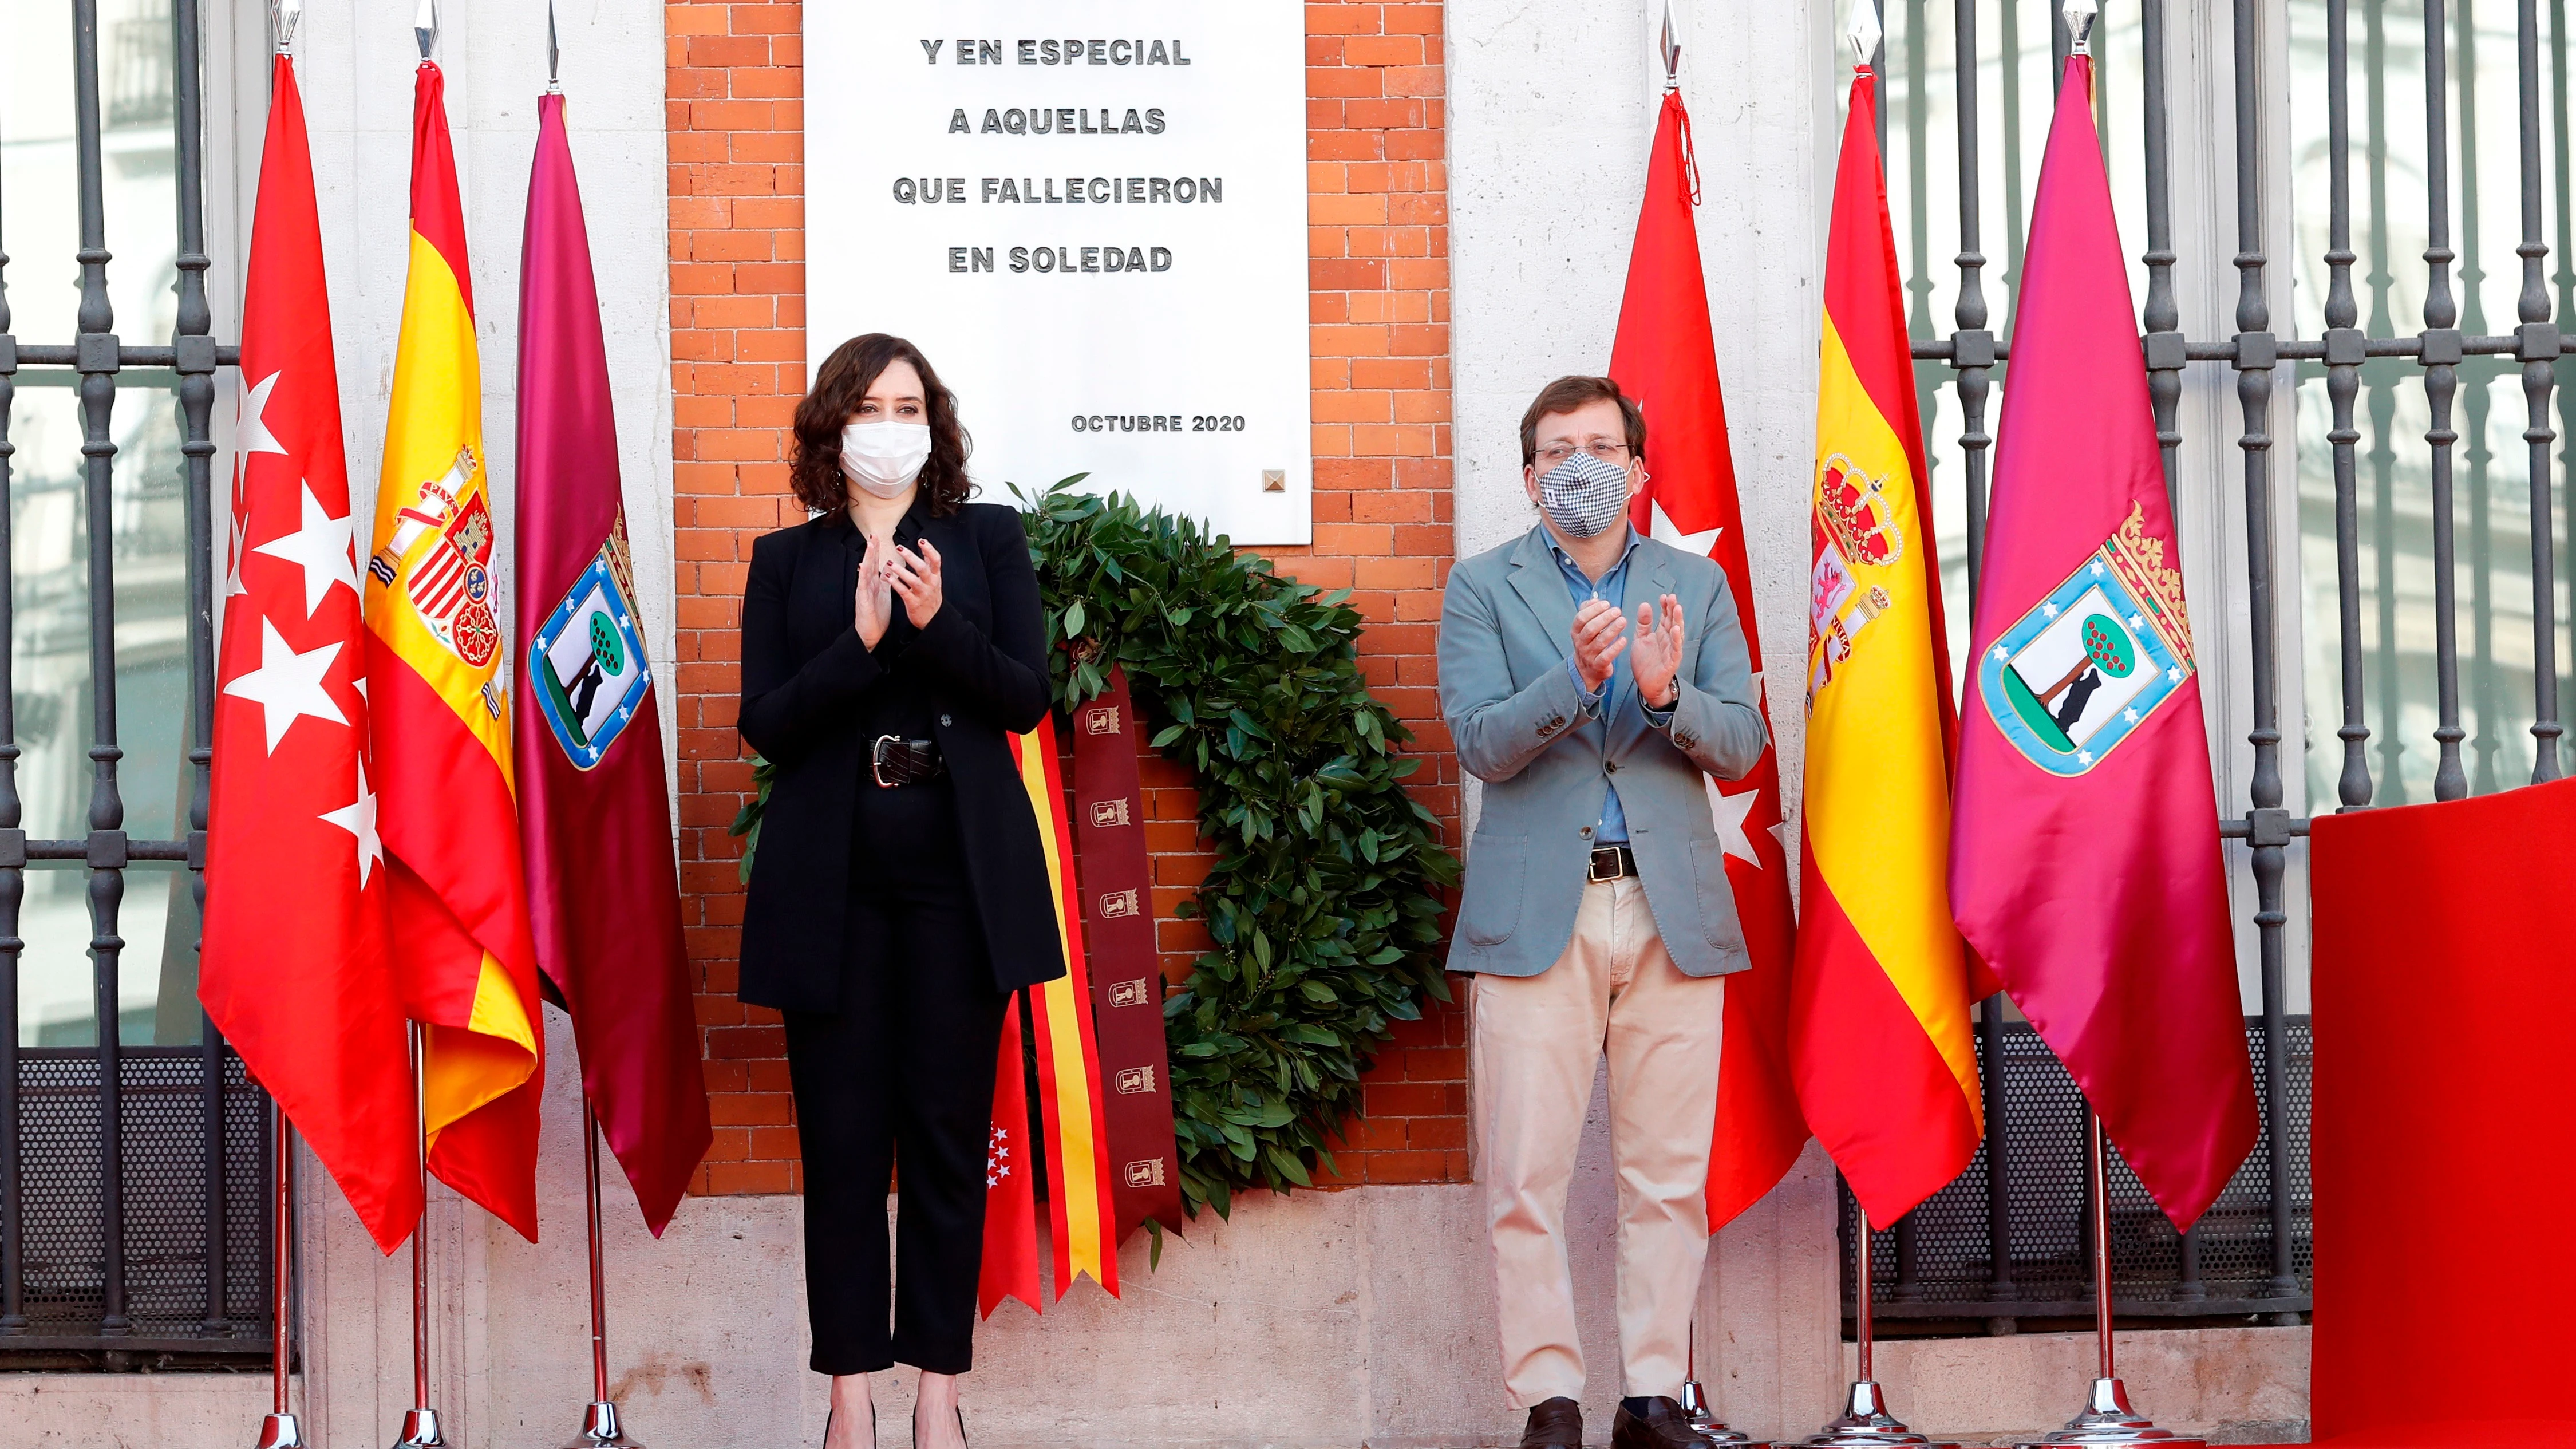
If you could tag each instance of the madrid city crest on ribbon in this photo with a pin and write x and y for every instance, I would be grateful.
(587, 660)
(2085, 667)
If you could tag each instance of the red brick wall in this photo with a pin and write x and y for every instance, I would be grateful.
(1378, 243)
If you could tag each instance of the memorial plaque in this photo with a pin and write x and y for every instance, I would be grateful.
(1091, 217)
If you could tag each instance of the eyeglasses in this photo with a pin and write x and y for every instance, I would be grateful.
(1603, 449)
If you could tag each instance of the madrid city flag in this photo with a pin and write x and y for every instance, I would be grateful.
(297, 979)
(2084, 865)
(1879, 1033)
(439, 717)
(594, 803)
(1666, 359)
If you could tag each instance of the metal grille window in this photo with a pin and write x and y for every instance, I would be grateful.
(2346, 214)
(134, 1186)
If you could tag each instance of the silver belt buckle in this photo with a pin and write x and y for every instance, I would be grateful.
(1604, 864)
(876, 761)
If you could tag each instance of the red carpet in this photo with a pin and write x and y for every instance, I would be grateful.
(2444, 992)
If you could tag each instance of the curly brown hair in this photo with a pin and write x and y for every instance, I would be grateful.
(844, 379)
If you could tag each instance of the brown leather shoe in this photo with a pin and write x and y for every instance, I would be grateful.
(1660, 1427)
(1555, 1424)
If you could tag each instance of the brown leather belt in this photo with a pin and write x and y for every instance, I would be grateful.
(1609, 862)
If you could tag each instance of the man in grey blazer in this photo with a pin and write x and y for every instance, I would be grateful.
(1589, 676)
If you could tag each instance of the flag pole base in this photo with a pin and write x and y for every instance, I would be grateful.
(1866, 1424)
(1694, 1402)
(280, 1431)
(420, 1430)
(2108, 1419)
(601, 1430)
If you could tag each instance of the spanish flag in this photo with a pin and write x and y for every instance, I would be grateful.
(1878, 1030)
(439, 720)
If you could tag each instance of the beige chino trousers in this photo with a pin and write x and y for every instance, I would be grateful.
(1534, 1045)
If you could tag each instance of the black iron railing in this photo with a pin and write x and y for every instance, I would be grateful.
(133, 1180)
(1999, 1244)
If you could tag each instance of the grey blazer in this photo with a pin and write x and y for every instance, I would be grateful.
(1505, 635)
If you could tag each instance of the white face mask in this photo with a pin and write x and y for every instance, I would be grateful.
(884, 457)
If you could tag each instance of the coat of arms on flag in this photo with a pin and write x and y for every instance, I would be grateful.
(2082, 670)
(589, 659)
(441, 550)
(1854, 528)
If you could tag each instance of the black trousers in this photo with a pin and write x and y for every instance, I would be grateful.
(903, 1073)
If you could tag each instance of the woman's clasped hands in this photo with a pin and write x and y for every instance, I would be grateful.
(888, 571)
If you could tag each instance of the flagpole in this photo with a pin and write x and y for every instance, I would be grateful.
(2107, 1417)
(599, 1425)
(420, 1429)
(1694, 1401)
(1865, 1422)
(280, 1430)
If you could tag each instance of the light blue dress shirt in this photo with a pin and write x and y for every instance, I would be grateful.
(1611, 590)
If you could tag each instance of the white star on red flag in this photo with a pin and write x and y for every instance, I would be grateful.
(326, 548)
(287, 684)
(1662, 529)
(1729, 812)
(253, 436)
(359, 819)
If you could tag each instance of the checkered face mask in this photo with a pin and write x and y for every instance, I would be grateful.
(1584, 495)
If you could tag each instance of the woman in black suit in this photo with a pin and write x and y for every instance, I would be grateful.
(899, 894)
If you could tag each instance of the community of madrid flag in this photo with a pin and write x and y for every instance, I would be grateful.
(439, 716)
(1666, 359)
(298, 982)
(1879, 1032)
(594, 812)
(2084, 864)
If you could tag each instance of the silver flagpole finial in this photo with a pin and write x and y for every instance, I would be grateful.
(1672, 52)
(1865, 31)
(2079, 24)
(424, 27)
(554, 54)
(282, 16)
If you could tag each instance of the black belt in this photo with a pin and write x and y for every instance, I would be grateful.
(1610, 862)
(904, 762)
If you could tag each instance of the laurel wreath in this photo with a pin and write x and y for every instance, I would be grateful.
(1325, 898)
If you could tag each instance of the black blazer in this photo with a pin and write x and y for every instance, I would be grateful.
(983, 659)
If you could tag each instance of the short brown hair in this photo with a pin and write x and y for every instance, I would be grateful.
(1569, 393)
(842, 381)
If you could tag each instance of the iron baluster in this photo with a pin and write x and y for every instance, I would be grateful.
(1918, 170)
(1908, 1287)
(2379, 381)
(2267, 824)
(2477, 372)
(2536, 345)
(1972, 353)
(13, 862)
(2162, 315)
(2016, 200)
(98, 359)
(2439, 353)
(2565, 276)
(1972, 347)
(193, 349)
(2344, 352)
